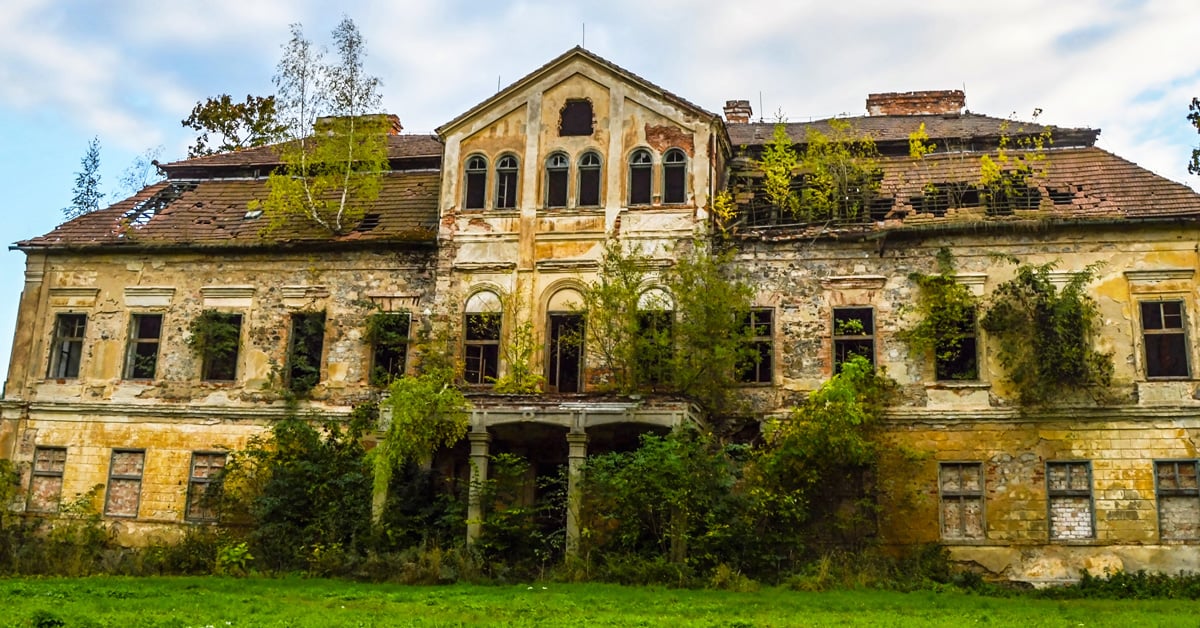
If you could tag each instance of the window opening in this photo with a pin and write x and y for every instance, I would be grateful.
(958, 359)
(961, 487)
(655, 335)
(141, 358)
(758, 364)
(201, 501)
(1178, 499)
(45, 485)
(1165, 339)
(589, 180)
(674, 176)
(565, 365)
(66, 349)
(124, 482)
(1069, 489)
(482, 347)
(476, 186)
(640, 165)
(557, 168)
(853, 334)
(506, 182)
(389, 335)
(304, 351)
(576, 118)
(222, 342)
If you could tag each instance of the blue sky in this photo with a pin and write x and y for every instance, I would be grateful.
(127, 71)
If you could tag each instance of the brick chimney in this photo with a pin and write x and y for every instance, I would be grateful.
(916, 103)
(738, 111)
(389, 121)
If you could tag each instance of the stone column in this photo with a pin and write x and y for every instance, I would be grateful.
(576, 454)
(480, 443)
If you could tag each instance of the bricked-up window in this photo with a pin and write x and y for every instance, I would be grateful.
(961, 488)
(45, 487)
(1178, 499)
(589, 180)
(388, 333)
(206, 465)
(674, 176)
(482, 347)
(853, 334)
(476, 182)
(66, 349)
(640, 170)
(1069, 489)
(141, 357)
(306, 344)
(1165, 339)
(576, 118)
(506, 182)
(124, 482)
(758, 365)
(557, 169)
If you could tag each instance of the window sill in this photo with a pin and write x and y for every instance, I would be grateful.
(966, 542)
(959, 385)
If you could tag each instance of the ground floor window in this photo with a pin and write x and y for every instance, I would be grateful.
(205, 467)
(1069, 490)
(45, 487)
(961, 489)
(1178, 499)
(124, 482)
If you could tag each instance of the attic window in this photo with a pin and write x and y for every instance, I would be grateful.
(369, 222)
(576, 118)
(252, 214)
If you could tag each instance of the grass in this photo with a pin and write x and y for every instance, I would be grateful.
(219, 602)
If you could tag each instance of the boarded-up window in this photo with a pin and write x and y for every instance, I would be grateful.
(1178, 499)
(1165, 339)
(674, 176)
(66, 349)
(124, 482)
(961, 488)
(576, 118)
(45, 487)
(640, 164)
(201, 504)
(141, 358)
(1069, 489)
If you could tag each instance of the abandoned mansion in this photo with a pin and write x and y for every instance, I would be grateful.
(499, 223)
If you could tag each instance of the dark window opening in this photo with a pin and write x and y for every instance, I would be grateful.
(1178, 499)
(124, 483)
(758, 361)
(576, 118)
(476, 187)
(589, 180)
(482, 348)
(674, 177)
(506, 182)
(880, 207)
(961, 488)
(141, 358)
(304, 351)
(557, 168)
(202, 498)
(368, 222)
(66, 349)
(1069, 492)
(656, 346)
(1009, 194)
(45, 487)
(222, 342)
(565, 364)
(957, 357)
(389, 336)
(853, 335)
(640, 164)
(1165, 339)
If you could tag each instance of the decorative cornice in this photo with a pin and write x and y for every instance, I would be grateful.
(227, 296)
(853, 282)
(484, 267)
(75, 296)
(1159, 274)
(149, 296)
(141, 413)
(564, 265)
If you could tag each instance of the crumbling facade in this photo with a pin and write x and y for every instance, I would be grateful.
(504, 215)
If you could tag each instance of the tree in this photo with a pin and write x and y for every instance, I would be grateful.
(1194, 118)
(333, 165)
(238, 125)
(87, 196)
(142, 172)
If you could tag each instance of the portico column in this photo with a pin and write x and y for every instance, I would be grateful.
(576, 454)
(480, 442)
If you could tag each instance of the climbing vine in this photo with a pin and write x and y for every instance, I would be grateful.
(945, 327)
(388, 335)
(215, 337)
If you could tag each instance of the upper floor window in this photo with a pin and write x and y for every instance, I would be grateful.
(481, 344)
(506, 182)
(307, 341)
(476, 183)
(655, 337)
(640, 164)
(557, 168)
(853, 334)
(66, 349)
(589, 180)
(756, 365)
(576, 118)
(217, 337)
(1165, 339)
(957, 356)
(141, 357)
(388, 333)
(674, 176)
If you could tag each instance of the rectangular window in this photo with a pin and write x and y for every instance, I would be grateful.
(957, 357)
(961, 488)
(1165, 339)
(656, 346)
(758, 362)
(222, 332)
(124, 482)
(482, 348)
(1069, 491)
(1178, 499)
(205, 468)
(853, 334)
(141, 357)
(45, 487)
(388, 334)
(66, 349)
(307, 341)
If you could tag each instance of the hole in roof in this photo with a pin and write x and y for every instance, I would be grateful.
(369, 222)
(1059, 197)
(142, 213)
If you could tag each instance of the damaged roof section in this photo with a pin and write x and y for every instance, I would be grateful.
(404, 152)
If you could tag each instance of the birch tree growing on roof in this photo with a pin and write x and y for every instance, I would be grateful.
(336, 154)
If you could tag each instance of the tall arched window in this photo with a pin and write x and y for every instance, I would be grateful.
(640, 164)
(481, 338)
(506, 182)
(674, 176)
(589, 180)
(557, 169)
(476, 184)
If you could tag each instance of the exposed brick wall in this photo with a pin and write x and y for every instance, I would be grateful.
(914, 103)
(1071, 518)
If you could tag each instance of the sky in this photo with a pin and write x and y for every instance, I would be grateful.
(128, 71)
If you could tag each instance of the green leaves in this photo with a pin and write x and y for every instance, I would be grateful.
(1194, 118)
(427, 412)
(237, 125)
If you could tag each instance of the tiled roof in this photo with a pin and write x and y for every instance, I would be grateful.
(399, 147)
(212, 213)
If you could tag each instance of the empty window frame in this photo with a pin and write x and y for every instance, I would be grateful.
(201, 498)
(66, 348)
(1178, 499)
(1069, 496)
(45, 485)
(576, 118)
(388, 333)
(589, 180)
(674, 176)
(853, 334)
(482, 347)
(656, 346)
(124, 482)
(960, 485)
(758, 362)
(564, 366)
(475, 188)
(506, 182)
(306, 344)
(223, 339)
(957, 358)
(141, 356)
(558, 169)
(1165, 339)
(640, 170)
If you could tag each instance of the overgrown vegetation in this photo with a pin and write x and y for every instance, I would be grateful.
(945, 327)
(215, 337)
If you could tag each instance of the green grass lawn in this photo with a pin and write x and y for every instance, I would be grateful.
(219, 602)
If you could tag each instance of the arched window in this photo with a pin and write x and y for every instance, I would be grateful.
(655, 337)
(589, 180)
(639, 177)
(476, 186)
(674, 176)
(557, 168)
(506, 182)
(564, 349)
(481, 344)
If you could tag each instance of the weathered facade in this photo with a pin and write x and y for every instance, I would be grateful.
(504, 215)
